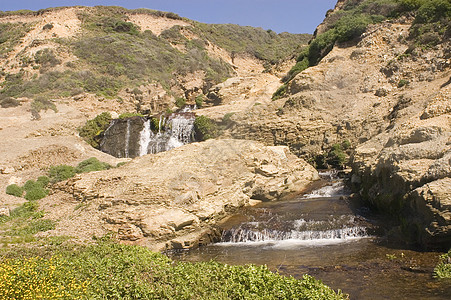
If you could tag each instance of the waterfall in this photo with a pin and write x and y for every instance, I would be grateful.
(242, 234)
(181, 131)
(144, 138)
(173, 132)
(127, 139)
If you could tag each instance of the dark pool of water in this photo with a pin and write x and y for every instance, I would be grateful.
(316, 234)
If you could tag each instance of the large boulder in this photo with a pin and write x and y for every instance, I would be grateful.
(173, 199)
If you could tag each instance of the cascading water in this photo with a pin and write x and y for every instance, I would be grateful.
(321, 235)
(301, 224)
(173, 132)
(127, 140)
(144, 138)
(132, 137)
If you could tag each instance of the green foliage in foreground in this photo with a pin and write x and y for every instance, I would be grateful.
(127, 115)
(335, 157)
(24, 222)
(35, 190)
(443, 269)
(113, 271)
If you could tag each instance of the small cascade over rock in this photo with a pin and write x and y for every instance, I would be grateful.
(138, 136)
(173, 132)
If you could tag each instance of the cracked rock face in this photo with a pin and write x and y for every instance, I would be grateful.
(173, 199)
(407, 173)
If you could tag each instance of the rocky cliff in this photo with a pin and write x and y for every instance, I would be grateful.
(389, 96)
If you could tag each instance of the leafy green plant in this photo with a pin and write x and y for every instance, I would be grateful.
(43, 181)
(60, 173)
(15, 190)
(32, 227)
(336, 157)
(90, 165)
(47, 59)
(36, 193)
(205, 128)
(92, 130)
(280, 93)
(113, 271)
(10, 35)
(443, 269)
(26, 210)
(402, 83)
(200, 100)
(180, 102)
(7, 102)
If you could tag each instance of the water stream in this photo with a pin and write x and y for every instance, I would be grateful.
(320, 234)
(134, 137)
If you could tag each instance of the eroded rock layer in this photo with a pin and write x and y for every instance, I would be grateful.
(173, 199)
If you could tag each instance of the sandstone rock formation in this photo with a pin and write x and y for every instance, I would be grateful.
(406, 172)
(393, 107)
(173, 199)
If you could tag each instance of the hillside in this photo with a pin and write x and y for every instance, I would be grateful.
(138, 60)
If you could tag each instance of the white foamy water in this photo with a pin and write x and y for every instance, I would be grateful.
(335, 190)
(173, 132)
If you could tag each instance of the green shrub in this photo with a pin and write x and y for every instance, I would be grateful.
(402, 83)
(130, 115)
(46, 58)
(92, 130)
(336, 157)
(60, 173)
(122, 163)
(199, 100)
(433, 11)
(26, 210)
(443, 269)
(180, 102)
(346, 144)
(11, 34)
(15, 190)
(36, 193)
(90, 165)
(205, 128)
(43, 181)
(226, 119)
(7, 102)
(113, 271)
(41, 103)
(298, 68)
(280, 93)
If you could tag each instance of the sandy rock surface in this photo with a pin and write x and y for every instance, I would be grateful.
(174, 199)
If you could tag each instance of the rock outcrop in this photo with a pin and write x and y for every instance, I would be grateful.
(392, 102)
(173, 199)
(406, 172)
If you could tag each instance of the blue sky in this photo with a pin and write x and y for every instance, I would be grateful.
(295, 16)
